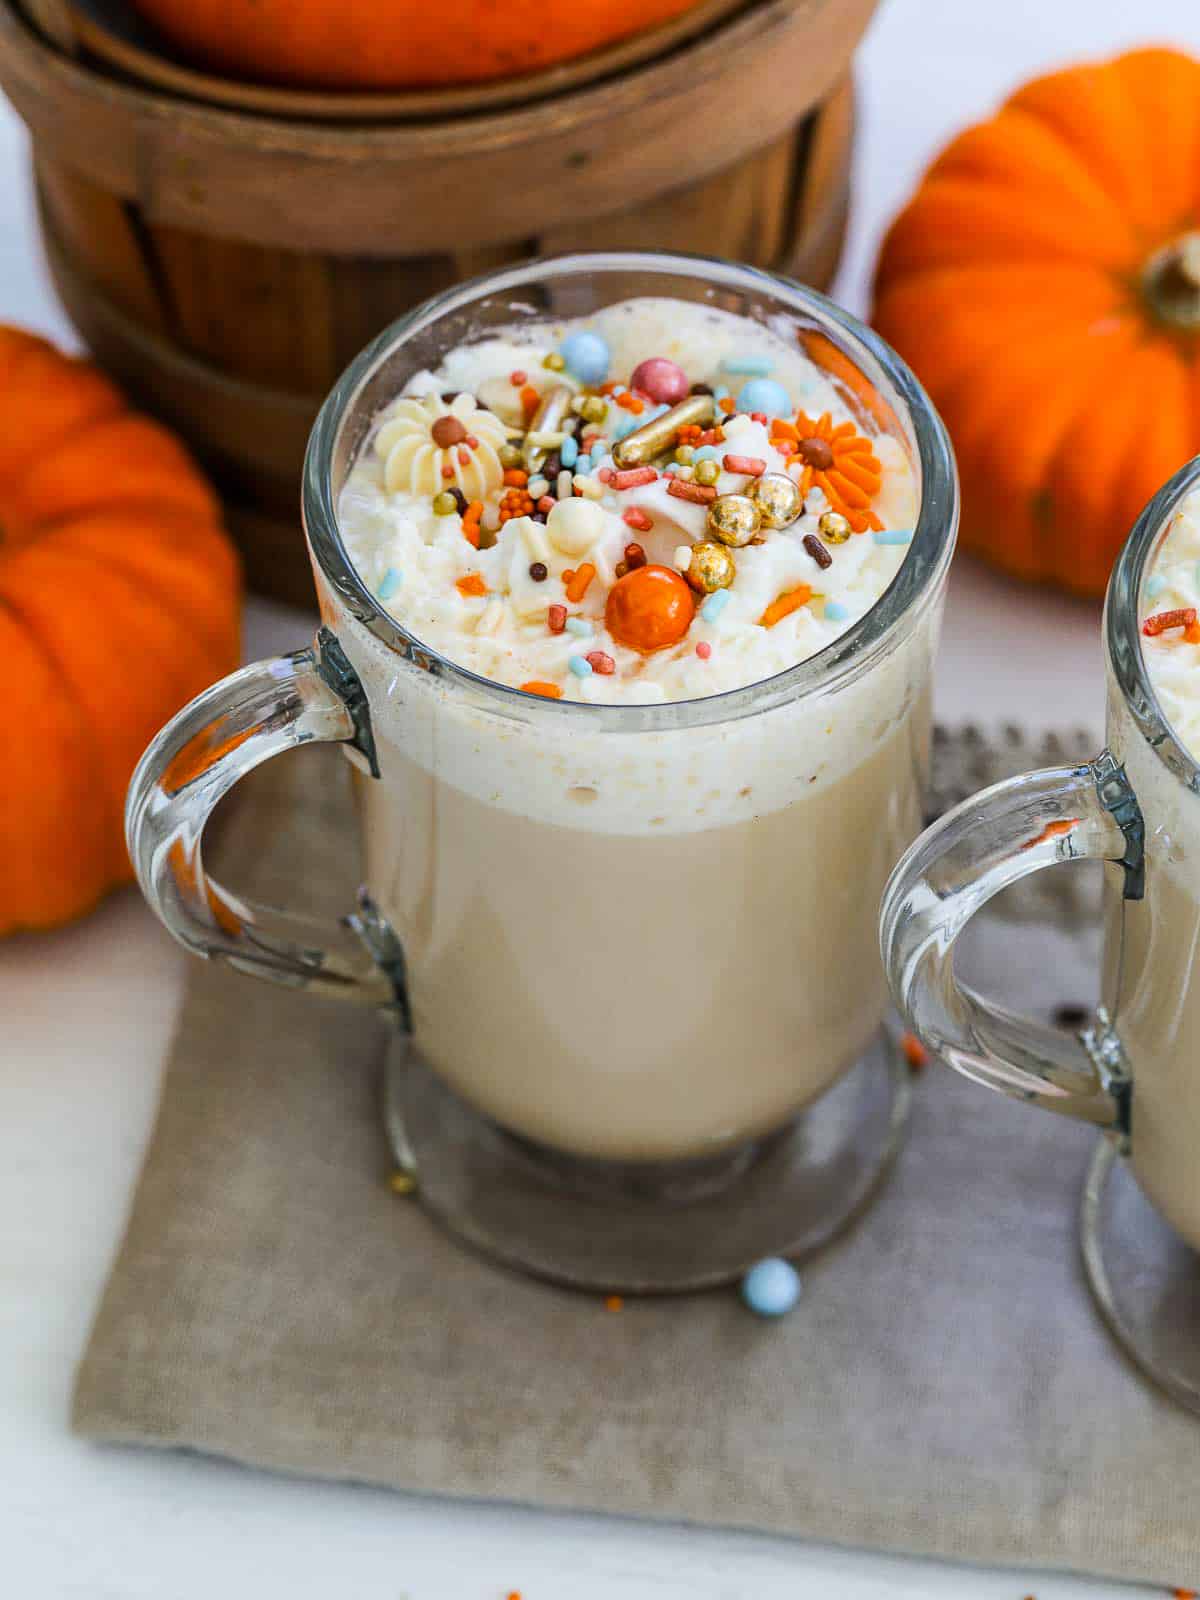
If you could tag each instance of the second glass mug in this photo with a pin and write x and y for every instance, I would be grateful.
(1133, 1071)
(624, 945)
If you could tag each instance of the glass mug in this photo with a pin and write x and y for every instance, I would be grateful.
(1132, 1072)
(625, 946)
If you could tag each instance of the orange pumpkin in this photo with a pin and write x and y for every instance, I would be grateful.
(1044, 283)
(364, 44)
(118, 603)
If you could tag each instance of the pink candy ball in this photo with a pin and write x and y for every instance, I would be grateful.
(664, 382)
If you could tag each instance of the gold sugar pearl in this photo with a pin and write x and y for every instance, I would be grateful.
(833, 527)
(553, 362)
(733, 519)
(685, 455)
(711, 567)
(510, 455)
(707, 471)
(778, 499)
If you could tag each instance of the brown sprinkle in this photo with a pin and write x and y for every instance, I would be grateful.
(817, 551)
(816, 453)
(539, 571)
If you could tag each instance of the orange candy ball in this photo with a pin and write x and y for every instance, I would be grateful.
(649, 609)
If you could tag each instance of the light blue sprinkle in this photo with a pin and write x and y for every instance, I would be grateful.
(893, 536)
(720, 392)
(625, 424)
(580, 666)
(706, 452)
(1155, 586)
(771, 1287)
(655, 411)
(714, 605)
(392, 579)
(835, 611)
(586, 356)
(671, 470)
(568, 451)
(764, 394)
(583, 462)
(579, 625)
(748, 366)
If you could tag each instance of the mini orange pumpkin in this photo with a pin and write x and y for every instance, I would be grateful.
(365, 44)
(118, 603)
(1044, 284)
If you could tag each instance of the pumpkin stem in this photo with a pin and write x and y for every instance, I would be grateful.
(1171, 282)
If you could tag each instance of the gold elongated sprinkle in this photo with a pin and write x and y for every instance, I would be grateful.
(652, 438)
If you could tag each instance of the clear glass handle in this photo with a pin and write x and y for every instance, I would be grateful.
(955, 867)
(196, 759)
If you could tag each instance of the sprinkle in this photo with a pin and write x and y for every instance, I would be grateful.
(588, 486)
(682, 557)
(515, 478)
(402, 1182)
(727, 404)
(586, 355)
(714, 605)
(892, 535)
(1155, 586)
(563, 485)
(577, 584)
(765, 395)
(530, 401)
(613, 1302)
(635, 517)
(553, 362)
(633, 478)
(539, 571)
(1053, 830)
(1185, 617)
(547, 503)
(631, 403)
(538, 486)
(579, 626)
(914, 1051)
(771, 1287)
(699, 494)
(835, 611)
(635, 557)
(704, 650)
(791, 600)
(606, 475)
(817, 551)
(471, 586)
(447, 469)
(556, 618)
(392, 580)
(601, 663)
(749, 466)
(549, 691)
(568, 450)
(580, 666)
(705, 452)
(519, 378)
(747, 366)
(584, 464)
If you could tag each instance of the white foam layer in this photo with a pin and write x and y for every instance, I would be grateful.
(1172, 583)
(412, 558)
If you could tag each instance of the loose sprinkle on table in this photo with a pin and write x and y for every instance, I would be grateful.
(614, 1302)
(402, 1182)
(914, 1052)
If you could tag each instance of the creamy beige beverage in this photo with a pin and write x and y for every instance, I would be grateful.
(628, 940)
(1152, 978)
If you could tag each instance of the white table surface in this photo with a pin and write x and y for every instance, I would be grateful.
(85, 1016)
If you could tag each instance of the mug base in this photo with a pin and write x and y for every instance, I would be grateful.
(1145, 1279)
(648, 1228)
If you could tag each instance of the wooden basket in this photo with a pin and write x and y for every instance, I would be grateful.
(225, 266)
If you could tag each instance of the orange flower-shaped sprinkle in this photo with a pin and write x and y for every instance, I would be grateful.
(838, 461)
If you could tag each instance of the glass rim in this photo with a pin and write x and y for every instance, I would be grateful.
(917, 581)
(1122, 628)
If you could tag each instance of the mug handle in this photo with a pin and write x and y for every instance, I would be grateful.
(993, 839)
(274, 705)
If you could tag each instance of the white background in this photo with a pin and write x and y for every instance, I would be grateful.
(86, 1015)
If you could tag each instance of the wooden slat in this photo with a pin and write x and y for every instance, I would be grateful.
(407, 190)
(99, 230)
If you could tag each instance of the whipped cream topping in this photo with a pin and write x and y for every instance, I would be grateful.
(1171, 643)
(523, 607)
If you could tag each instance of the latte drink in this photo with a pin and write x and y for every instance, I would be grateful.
(626, 937)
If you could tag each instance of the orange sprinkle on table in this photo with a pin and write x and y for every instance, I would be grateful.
(577, 585)
(471, 586)
(1184, 1594)
(914, 1052)
(791, 600)
(548, 691)
(614, 1302)
(1052, 830)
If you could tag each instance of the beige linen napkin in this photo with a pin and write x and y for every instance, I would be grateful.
(943, 1387)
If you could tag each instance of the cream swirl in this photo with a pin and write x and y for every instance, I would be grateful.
(428, 444)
